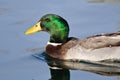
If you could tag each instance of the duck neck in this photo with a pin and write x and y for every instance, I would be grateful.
(60, 36)
(57, 38)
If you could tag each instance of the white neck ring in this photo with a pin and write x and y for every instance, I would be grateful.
(54, 44)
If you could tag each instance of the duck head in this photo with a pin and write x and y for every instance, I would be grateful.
(55, 25)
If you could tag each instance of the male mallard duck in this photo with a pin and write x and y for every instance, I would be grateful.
(94, 48)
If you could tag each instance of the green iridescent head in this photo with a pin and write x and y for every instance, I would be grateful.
(55, 25)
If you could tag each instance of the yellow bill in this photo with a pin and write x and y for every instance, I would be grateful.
(34, 29)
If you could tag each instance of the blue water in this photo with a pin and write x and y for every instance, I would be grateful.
(85, 18)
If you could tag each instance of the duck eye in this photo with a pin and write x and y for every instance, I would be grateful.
(47, 19)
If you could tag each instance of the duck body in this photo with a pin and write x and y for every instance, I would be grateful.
(94, 48)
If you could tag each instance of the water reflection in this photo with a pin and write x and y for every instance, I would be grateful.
(98, 68)
(3, 11)
(102, 1)
(60, 69)
(59, 74)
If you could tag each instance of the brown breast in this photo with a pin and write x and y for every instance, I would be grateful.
(60, 51)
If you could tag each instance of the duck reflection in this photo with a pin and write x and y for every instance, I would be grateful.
(59, 69)
(102, 68)
(59, 74)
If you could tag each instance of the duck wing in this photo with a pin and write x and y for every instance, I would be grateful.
(101, 41)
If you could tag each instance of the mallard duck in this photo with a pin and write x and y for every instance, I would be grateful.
(61, 46)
